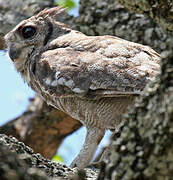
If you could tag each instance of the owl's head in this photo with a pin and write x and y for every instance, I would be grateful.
(32, 35)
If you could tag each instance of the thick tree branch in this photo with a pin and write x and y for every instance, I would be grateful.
(18, 161)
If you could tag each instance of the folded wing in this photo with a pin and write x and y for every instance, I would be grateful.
(95, 67)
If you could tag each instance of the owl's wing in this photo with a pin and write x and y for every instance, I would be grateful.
(98, 67)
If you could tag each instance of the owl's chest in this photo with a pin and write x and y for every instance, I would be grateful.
(104, 113)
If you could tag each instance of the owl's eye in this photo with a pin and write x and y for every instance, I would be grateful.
(28, 32)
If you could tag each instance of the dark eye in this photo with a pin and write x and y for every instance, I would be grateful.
(28, 32)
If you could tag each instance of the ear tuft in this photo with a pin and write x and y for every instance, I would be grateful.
(51, 12)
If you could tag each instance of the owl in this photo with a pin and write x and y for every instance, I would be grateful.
(94, 79)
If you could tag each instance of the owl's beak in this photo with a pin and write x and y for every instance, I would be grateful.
(13, 53)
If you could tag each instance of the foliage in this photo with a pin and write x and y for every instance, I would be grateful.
(69, 4)
(57, 158)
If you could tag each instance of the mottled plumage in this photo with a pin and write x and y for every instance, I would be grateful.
(92, 78)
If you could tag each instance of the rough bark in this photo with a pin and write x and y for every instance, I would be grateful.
(17, 161)
(142, 149)
(161, 11)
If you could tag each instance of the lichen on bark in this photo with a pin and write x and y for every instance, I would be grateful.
(160, 11)
(18, 161)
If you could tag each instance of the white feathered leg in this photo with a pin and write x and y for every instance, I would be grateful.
(93, 138)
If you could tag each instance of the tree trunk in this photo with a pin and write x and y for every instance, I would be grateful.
(142, 149)
(161, 11)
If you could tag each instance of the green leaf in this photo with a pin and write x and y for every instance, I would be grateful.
(69, 4)
(57, 158)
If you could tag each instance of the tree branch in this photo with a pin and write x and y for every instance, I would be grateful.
(18, 161)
